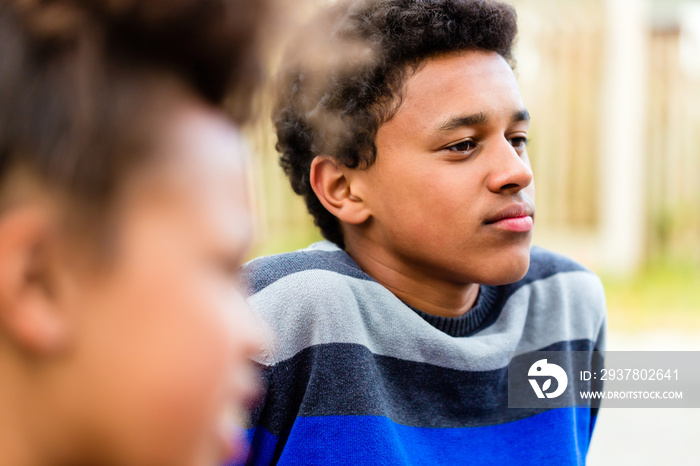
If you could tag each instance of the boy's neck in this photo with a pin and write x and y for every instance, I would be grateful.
(412, 285)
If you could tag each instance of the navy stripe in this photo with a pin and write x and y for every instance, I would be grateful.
(544, 263)
(262, 272)
(348, 380)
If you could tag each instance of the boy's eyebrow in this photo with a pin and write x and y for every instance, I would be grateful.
(478, 119)
(461, 121)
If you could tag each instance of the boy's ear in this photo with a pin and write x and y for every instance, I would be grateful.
(334, 189)
(29, 314)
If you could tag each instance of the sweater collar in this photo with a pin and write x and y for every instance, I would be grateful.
(470, 321)
(461, 326)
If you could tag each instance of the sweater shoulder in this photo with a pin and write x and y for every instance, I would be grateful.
(545, 263)
(558, 271)
(562, 289)
(263, 272)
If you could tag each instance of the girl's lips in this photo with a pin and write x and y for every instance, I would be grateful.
(517, 224)
(233, 446)
(230, 437)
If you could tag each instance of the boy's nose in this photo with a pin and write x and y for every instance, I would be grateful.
(510, 172)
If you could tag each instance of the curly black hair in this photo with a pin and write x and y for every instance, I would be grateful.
(341, 77)
(78, 76)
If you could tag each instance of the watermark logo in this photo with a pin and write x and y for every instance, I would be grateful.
(614, 379)
(547, 371)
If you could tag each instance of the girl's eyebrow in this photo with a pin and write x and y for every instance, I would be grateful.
(521, 115)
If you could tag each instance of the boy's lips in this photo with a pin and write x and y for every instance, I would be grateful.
(516, 217)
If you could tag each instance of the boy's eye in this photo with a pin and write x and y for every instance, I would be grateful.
(462, 146)
(519, 142)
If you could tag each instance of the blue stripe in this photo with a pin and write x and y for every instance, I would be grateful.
(263, 446)
(559, 436)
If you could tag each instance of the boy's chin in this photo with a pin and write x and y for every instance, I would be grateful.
(507, 270)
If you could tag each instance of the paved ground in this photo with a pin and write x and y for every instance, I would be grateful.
(643, 437)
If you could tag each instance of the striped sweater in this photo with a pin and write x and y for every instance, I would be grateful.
(357, 376)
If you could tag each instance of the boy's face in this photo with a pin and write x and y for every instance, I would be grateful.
(450, 163)
(159, 356)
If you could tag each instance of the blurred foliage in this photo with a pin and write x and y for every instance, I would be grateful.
(663, 294)
(290, 240)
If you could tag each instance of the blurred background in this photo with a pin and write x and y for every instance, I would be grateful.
(613, 87)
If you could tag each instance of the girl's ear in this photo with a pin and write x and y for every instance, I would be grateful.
(30, 315)
(334, 189)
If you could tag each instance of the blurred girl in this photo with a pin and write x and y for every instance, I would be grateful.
(123, 219)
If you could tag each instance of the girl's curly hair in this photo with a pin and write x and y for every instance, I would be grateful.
(77, 76)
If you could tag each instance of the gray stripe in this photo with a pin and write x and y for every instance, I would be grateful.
(565, 306)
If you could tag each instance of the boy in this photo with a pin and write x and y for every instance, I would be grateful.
(123, 221)
(407, 140)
